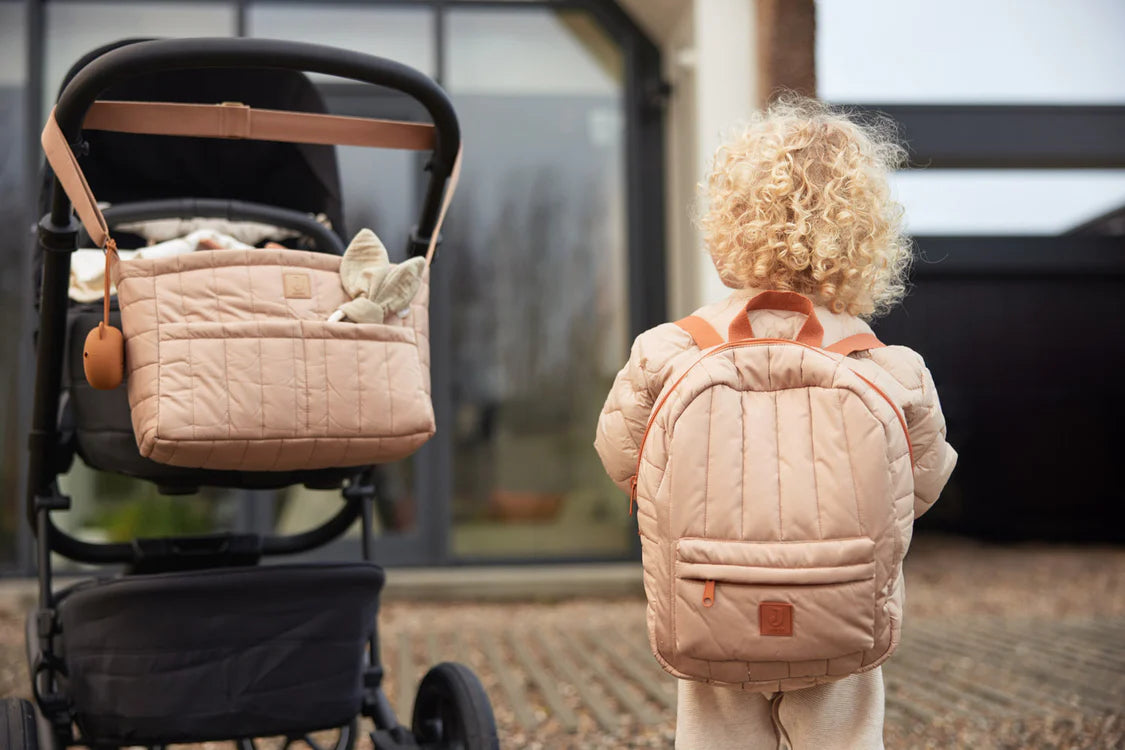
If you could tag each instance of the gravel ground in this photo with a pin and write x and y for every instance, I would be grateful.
(950, 581)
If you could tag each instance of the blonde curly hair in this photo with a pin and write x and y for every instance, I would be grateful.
(799, 201)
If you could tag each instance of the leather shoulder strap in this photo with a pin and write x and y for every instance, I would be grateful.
(236, 120)
(858, 343)
(702, 333)
(69, 174)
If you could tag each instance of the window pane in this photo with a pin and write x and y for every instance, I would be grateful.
(115, 508)
(966, 51)
(14, 276)
(537, 252)
(75, 28)
(380, 187)
(405, 35)
(531, 52)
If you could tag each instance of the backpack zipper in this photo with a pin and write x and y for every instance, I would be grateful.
(732, 345)
(709, 594)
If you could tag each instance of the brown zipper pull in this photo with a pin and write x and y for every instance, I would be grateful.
(632, 494)
(709, 594)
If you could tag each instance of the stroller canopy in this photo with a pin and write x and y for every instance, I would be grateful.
(123, 167)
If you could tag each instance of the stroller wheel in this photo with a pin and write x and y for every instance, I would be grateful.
(17, 725)
(452, 710)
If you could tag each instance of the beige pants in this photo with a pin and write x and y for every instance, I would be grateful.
(847, 714)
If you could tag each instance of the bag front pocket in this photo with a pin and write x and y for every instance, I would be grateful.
(279, 394)
(774, 601)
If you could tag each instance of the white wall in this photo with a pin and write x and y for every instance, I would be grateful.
(710, 58)
(726, 57)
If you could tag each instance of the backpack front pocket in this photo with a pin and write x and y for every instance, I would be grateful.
(774, 601)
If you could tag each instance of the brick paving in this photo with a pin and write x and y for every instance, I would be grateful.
(580, 675)
(1004, 647)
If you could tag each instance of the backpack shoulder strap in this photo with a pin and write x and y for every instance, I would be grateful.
(857, 343)
(702, 333)
(705, 336)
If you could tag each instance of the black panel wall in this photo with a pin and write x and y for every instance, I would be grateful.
(1029, 359)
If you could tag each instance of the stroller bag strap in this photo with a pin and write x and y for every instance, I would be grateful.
(236, 120)
(229, 120)
(69, 174)
(450, 188)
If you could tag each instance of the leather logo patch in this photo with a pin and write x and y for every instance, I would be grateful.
(775, 618)
(297, 286)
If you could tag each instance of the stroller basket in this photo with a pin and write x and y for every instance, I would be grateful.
(185, 657)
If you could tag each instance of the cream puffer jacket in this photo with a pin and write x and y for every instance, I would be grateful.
(666, 350)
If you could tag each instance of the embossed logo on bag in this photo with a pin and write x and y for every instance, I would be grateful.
(775, 618)
(297, 286)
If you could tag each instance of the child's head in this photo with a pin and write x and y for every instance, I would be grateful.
(799, 201)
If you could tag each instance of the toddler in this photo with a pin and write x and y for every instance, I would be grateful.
(798, 201)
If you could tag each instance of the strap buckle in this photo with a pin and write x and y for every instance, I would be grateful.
(234, 120)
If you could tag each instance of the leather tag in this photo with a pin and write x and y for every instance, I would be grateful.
(297, 286)
(103, 357)
(775, 618)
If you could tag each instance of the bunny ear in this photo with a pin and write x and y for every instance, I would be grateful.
(365, 255)
(367, 246)
(401, 284)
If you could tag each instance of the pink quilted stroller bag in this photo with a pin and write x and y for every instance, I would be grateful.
(231, 360)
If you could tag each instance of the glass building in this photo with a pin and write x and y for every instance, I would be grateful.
(534, 303)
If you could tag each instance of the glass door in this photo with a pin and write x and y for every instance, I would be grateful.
(538, 298)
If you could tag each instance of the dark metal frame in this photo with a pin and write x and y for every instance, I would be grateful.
(58, 238)
(1008, 136)
(1016, 257)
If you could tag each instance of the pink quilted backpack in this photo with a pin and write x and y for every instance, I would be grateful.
(773, 489)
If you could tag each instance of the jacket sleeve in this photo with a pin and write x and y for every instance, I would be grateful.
(934, 457)
(629, 405)
(624, 418)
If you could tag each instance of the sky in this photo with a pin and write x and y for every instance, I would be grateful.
(976, 52)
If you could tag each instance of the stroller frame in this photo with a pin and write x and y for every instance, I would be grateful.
(58, 236)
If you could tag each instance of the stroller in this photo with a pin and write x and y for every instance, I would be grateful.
(195, 640)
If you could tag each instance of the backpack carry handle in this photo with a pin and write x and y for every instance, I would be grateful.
(811, 333)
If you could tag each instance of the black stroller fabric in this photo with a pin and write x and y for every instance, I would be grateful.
(123, 167)
(218, 654)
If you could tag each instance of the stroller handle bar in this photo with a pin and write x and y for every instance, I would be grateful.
(80, 94)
